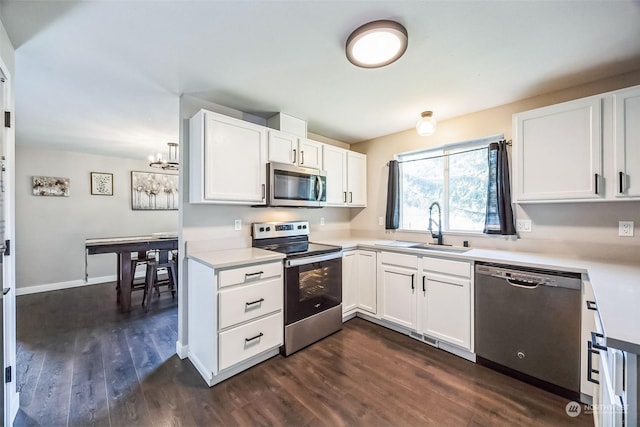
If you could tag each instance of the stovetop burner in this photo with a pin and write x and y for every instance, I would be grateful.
(290, 238)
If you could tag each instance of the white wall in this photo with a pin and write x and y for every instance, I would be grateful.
(51, 230)
(587, 229)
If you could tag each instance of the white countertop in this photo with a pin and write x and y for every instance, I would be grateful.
(234, 257)
(616, 286)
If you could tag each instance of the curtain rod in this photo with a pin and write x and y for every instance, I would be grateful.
(457, 152)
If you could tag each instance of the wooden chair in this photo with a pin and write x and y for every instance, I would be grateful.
(151, 279)
(137, 259)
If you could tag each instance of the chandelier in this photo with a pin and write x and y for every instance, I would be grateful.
(170, 163)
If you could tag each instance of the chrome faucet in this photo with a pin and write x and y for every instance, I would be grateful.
(438, 235)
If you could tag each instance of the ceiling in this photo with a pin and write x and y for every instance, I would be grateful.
(106, 76)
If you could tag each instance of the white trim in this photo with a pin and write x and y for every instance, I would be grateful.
(182, 350)
(34, 289)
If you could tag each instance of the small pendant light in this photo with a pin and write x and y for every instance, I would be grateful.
(427, 124)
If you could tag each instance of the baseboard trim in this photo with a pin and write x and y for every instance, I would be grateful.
(26, 290)
(182, 350)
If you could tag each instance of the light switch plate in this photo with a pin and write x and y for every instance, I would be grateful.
(380, 220)
(523, 225)
(322, 221)
(237, 224)
(625, 228)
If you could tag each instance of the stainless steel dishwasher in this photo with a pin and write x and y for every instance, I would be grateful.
(527, 324)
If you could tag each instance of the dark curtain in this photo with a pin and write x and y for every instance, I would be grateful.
(393, 197)
(499, 218)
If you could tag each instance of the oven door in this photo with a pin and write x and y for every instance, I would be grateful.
(312, 284)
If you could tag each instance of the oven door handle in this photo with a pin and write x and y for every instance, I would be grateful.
(311, 259)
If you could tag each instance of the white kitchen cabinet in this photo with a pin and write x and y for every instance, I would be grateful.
(346, 177)
(446, 306)
(290, 149)
(558, 152)
(397, 282)
(334, 160)
(626, 143)
(235, 317)
(359, 283)
(227, 162)
(349, 281)
(356, 179)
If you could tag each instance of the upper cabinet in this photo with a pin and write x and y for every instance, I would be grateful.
(346, 177)
(290, 149)
(227, 160)
(582, 150)
(557, 152)
(627, 142)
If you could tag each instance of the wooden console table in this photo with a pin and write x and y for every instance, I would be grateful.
(123, 247)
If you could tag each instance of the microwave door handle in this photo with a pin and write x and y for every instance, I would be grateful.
(319, 188)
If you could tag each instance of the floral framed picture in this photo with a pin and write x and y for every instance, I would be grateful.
(154, 191)
(101, 184)
(50, 186)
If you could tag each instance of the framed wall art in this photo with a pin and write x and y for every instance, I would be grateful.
(50, 186)
(101, 184)
(154, 191)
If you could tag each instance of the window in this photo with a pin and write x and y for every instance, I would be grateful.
(455, 176)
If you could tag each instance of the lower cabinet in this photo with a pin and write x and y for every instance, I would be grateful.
(235, 317)
(397, 276)
(359, 283)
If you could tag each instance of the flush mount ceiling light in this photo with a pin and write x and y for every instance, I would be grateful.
(427, 124)
(170, 163)
(376, 44)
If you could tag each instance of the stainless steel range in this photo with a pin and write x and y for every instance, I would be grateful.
(312, 282)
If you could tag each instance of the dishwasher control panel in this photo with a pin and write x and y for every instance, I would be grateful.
(531, 277)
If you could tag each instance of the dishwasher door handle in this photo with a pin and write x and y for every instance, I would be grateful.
(521, 284)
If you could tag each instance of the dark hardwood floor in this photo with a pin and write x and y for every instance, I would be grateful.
(80, 362)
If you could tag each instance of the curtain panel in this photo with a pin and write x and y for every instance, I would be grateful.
(499, 216)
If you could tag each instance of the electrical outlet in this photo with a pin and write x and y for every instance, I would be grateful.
(322, 221)
(625, 228)
(523, 225)
(237, 224)
(380, 220)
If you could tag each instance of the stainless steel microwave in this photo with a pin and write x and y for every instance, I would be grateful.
(294, 186)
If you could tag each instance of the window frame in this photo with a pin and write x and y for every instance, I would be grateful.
(443, 151)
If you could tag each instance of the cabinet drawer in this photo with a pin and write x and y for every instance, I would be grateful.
(248, 302)
(248, 340)
(251, 273)
(402, 260)
(447, 266)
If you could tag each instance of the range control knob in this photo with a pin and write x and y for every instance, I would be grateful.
(268, 228)
(304, 226)
(261, 229)
(521, 355)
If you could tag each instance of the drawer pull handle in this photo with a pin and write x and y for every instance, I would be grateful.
(591, 305)
(254, 338)
(258, 301)
(594, 341)
(590, 370)
(257, 273)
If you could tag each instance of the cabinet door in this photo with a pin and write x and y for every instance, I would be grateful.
(282, 147)
(367, 281)
(447, 309)
(398, 295)
(310, 155)
(334, 160)
(356, 179)
(558, 152)
(627, 143)
(235, 154)
(349, 281)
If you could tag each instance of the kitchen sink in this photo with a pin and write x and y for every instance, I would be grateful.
(440, 248)
(425, 246)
